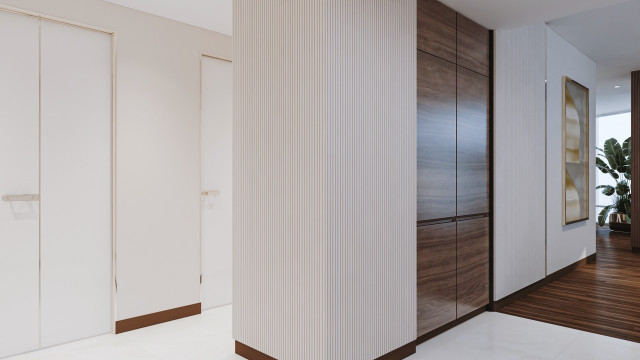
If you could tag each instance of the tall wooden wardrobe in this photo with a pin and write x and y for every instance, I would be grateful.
(453, 167)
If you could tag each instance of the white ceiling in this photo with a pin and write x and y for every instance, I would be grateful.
(607, 31)
(611, 37)
(215, 15)
(501, 14)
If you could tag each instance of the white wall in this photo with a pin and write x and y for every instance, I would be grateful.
(519, 159)
(529, 239)
(158, 149)
(570, 243)
(325, 177)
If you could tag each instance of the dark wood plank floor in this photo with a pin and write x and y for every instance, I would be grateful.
(602, 298)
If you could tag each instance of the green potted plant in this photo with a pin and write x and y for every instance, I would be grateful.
(618, 165)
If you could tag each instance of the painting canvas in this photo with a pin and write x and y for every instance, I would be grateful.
(575, 152)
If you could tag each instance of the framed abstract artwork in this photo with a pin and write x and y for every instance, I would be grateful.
(575, 152)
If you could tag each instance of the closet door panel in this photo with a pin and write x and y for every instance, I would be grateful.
(436, 127)
(18, 175)
(473, 265)
(436, 276)
(474, 46)
(76, 92)
(217, 175)
(436, 29)
(473, 143)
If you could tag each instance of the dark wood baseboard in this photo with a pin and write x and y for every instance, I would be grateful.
(500, 304)
(400, 353)
(160, 317)
(430, 335)
(250, 353)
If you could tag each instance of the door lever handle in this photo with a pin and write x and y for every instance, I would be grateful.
(210, 193)
(21, 197)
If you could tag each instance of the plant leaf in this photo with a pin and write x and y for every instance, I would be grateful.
(610, 148)
(608, 190)
(628, 175)
(621, 189)
(602, 218)
(620, 159)
(626, 147)
(600, 164)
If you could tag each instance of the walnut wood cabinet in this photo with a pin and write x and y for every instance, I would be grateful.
(453, 166)
(436, 126)
(436, 276)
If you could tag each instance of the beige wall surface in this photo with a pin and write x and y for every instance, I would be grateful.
(158, 149)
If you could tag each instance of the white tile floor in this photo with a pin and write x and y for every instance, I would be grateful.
(489, 336)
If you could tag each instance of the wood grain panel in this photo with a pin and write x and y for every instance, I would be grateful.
(473, 46)
(473, 265)
(601, 297)
(436, 157)
(436, 276)
(437, 29)
(635, 159)
(472, 143)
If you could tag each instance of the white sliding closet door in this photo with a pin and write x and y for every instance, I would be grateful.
(76, 83)
(18, 175)
(217, 177)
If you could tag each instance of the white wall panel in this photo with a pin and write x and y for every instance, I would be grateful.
(158, 147)
(217, 175)
(573, 242)
(75, 197)
(324, 177)
(519, 158)
(19, 248)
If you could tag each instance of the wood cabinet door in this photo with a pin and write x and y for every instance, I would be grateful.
(436, 141)
(473, 46)
(436, 276)
(473, 143)
(473, 265)
(437, 29)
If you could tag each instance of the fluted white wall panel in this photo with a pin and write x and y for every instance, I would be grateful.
(519, 158)
(371, 177)
(324, 177)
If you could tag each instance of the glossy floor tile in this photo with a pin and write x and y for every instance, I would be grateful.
(499, 336)
(492, 336)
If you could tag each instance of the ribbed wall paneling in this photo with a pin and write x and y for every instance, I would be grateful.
(371, 176)
(519, 158)
(324, 177)
(280, 197)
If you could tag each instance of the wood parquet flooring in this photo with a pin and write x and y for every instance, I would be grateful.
(602, 297)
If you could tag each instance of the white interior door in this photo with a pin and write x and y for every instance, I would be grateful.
(75, 198)
(217, 182)
(18, 175)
